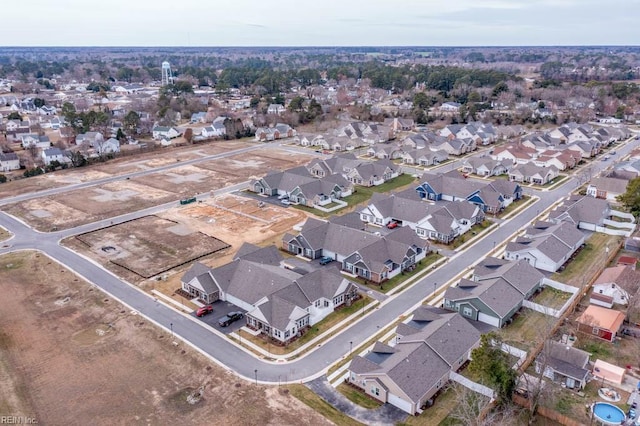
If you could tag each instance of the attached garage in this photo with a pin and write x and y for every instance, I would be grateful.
(488, 319)
(402, 404)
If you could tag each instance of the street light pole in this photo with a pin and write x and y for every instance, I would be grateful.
(171, 327)
(435, 286)
(350, 348)
(256, 373)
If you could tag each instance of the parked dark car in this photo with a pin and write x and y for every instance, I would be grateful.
(326, 260)
(231, 317)
(207, 309)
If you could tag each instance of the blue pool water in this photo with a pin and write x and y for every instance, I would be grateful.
(608, 413)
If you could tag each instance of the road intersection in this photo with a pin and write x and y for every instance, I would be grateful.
(226, 352)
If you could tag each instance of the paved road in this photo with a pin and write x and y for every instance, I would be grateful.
(75, 186)
(312, 364)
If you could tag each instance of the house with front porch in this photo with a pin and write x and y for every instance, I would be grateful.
(483, 166)
(429, 347)
(424, 157)
(374, 258)
(531, 173)
(496, 291)
(372, 173)
(32, 140)
(492, 197)
(161, 132)
(546, 245)
(279, 302)
(607, 188)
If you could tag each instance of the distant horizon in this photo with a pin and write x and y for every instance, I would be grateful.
(319, 46)
(280, 23)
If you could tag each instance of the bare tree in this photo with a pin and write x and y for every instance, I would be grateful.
(474, 409)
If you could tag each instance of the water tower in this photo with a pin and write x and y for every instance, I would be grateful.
(167, 77)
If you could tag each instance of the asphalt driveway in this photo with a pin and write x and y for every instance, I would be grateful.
(387, 414)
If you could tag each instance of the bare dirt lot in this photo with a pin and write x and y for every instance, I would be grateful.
(71, 355)
(184, 233)
(150, 245)
(83, 206)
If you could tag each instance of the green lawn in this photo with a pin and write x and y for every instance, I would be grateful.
(314, 401)
(314, 331)
(388, 285)
(362, 194)
(523, 201)
(472, 233)
(357, 396)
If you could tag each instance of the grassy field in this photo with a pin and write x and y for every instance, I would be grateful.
(528, 328)
(321, 406)
(552, 298)
(438, 414)
(4, 234)
(589, 261)
(357, 397)
(313, 332)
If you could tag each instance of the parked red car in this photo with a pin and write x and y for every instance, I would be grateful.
(207, 309)
(392, 225)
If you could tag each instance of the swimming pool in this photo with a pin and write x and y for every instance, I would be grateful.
(607, 413)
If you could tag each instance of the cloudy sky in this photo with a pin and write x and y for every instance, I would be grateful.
(320, 23)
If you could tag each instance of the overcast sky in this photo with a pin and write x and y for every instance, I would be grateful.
(319, 23)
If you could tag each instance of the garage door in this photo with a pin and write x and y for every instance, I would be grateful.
(488, 319)
(400, 403)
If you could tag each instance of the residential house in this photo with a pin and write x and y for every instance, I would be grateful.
(30, 140)
(546, 245)
(450, 107)
(198, 117)
(217, 129)
(424, 157)
(531, 173)
(366, 255)
(279, 302)
(492, 197)
(162, 132)
(593, 214)
(110, 146)
(276, 109)
(89, 139)
(615, 285)
(398, 123)
(483, 166)
(385, 151)
(496, 292)
(607, 188)
(564, 364)
(432, 345)
(50, 155)
(518, 154)
(9, 161)
(372, 173)
(600, 322)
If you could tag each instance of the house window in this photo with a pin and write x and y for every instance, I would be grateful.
(375, 391)
(317, 304)
(326, 303)
(595, 331)
(466, 311)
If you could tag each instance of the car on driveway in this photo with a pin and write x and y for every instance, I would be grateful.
(206, 309)
(392, 225)
(326, 260)
(231, 317)
(285, 202)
